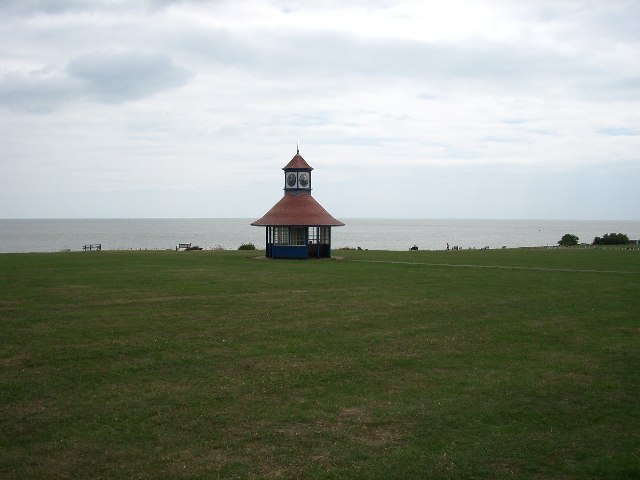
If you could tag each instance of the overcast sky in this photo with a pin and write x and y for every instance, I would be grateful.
(424, 109)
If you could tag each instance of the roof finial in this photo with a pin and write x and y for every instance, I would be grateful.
(298, 147)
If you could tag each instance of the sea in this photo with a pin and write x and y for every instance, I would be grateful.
(53, 235)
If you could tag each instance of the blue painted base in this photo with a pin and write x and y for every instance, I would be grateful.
(298, 251)
(289, 251)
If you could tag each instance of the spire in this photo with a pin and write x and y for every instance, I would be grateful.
(298, 147)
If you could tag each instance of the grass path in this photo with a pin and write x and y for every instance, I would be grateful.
(507, 267)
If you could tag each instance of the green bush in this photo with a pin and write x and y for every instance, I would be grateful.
(612, 239)
(568, 240)
(247, 246)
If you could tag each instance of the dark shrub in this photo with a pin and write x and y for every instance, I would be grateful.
(612, 239)
(568, 240)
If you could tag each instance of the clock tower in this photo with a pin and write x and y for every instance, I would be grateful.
(297, 175)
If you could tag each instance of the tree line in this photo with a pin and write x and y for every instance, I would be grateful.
(569, 240)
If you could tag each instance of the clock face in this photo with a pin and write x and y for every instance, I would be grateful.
(303, 179)
(292, 179)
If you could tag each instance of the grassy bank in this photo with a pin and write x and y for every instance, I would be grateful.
(472, 364)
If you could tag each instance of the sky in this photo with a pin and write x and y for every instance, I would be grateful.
(406, 109)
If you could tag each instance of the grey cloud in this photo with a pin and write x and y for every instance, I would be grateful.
(311, 58)
(612, 20)
(62, 7)
(47, 7)
(37, 91)
(107, 77)
(483, 65)
(119, 77)
(28, 8)
(317, 56)
(619, 131)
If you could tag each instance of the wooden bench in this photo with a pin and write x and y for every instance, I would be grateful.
(92, 246)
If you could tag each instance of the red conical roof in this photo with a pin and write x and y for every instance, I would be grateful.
(297, 162)
(300, 210)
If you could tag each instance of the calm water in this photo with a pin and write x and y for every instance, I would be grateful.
(380, 234)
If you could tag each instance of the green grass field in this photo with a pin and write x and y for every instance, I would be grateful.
(517, 363)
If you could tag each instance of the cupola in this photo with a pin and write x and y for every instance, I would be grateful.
(297, 175)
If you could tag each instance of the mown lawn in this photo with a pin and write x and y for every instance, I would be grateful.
(517, 363)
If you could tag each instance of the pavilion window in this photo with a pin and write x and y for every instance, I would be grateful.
(325, 235)
(289, 235)
(280, 236)
(313, 237)
(321, 235)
